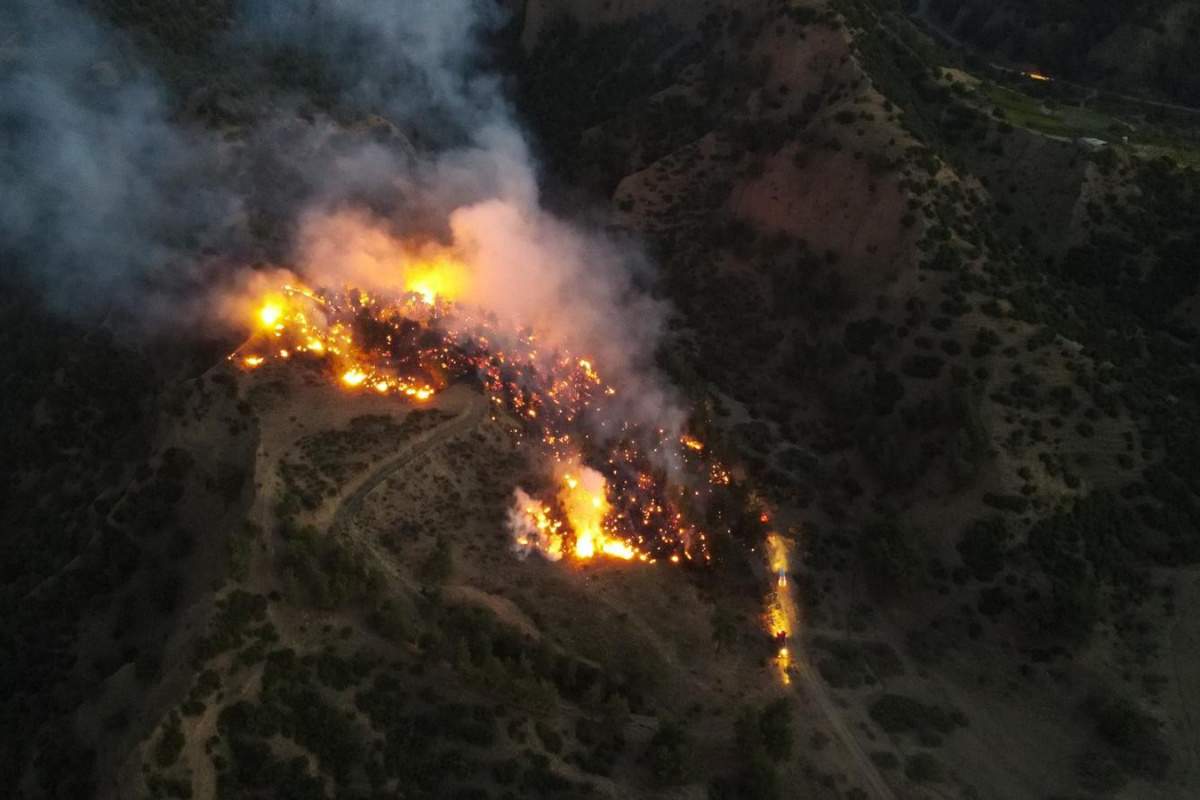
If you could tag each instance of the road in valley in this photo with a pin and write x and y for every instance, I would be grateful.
(798, 669)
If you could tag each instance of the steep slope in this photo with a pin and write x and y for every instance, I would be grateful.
(913, 327)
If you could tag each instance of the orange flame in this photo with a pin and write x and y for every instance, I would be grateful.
(440, 279)
(584, 498)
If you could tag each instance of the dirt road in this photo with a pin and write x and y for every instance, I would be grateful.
(807, 677)
(350, 503)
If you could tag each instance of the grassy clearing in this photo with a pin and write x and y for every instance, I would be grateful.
(1183, 155)
(1064, 121)
(1073, 122)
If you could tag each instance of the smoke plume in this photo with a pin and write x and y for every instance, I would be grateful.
(417, 62)
(99, 192)
(112, 201)
(472, 189)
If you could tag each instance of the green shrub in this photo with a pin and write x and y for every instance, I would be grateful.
(923, 768)
(1135, 737)
(897, 713)
(922, 366)
(775, 725)
(439, 566)
(889, 555)
(171, 743)
(1012, 503)
(668, 755)
(983, 547)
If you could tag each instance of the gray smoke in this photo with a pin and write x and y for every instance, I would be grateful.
(99, 192)
(416, 61)
(416, 66)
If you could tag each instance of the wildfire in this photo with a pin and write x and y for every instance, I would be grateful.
(1037, 76)
(782, 616)
(607, 487)
(320, 327)
(620, 505)
(610, 496)
(585, 529)
(584, 499)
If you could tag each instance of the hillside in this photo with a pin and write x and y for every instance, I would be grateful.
(1144, 48)
(938, 355)
(944, 392)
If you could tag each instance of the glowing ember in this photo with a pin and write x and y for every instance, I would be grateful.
(588, 371)
(718, 475)
(353, 377)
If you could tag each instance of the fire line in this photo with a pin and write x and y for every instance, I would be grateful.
(619, 503)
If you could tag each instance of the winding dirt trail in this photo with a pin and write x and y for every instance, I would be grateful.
(808, 677)
(349, 505)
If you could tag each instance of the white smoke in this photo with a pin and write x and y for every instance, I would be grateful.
(527, 538)
(99, 191)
